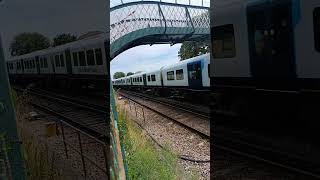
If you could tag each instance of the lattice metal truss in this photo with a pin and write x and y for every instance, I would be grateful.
(148, 22)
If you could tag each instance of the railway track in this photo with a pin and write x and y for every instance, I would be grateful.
(232, 145)
(202, 112)
(175, 114)
(88, 117)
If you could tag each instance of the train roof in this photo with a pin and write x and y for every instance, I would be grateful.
(75, 44)
(133, 75)
(184, 62)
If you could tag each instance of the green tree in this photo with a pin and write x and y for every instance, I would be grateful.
(25, 43)
(63, 39)
(192, 49)
(118, 75)
(130, 73)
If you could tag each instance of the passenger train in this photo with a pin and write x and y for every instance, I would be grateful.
(80, 62)
(266, 56)
(188, 75)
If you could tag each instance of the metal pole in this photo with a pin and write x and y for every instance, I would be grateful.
(82, 158)
(64, 139)
(144, 119)
(106, 159)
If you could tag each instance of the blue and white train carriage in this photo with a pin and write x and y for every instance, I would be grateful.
(266, 58)
(83, 60)
(190, 74)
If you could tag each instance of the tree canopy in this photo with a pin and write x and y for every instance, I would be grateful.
(130, 73)
(192, 49)
(25, 43)
(118, 75)
(63, 39)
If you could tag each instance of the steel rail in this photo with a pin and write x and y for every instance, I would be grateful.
(177, 106)
(204, 135)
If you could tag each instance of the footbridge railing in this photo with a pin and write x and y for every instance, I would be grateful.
(149, 22)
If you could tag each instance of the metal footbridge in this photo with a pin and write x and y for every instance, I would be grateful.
(148, 22)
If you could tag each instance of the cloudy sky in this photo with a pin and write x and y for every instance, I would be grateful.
(51, 17)
(146, 58)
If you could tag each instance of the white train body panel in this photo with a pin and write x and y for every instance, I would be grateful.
(156, 81)
(98, 67)
(307, 57)
(183, 81)
(138, 79)
(232, 12)
(304, 57)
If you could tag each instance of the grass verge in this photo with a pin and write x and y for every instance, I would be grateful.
(145, 161)
(39, 162)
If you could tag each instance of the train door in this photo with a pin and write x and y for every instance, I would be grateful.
(195, 74)
(68, 61)
(270, 32)
(37, 64)
(144, 79)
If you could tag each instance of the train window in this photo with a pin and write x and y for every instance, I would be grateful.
(33, 64)
(170, 75)
(140, 79)
(149, 78)
(90, 57)
(45, 62)
(75, 58)
(61, 60)
(179, 74)
(223, 42)
(153, 77)
(98, 54)
(316, 27)
(82, 58)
